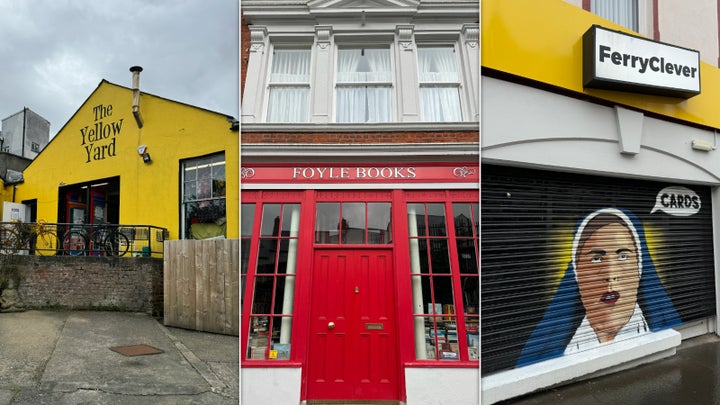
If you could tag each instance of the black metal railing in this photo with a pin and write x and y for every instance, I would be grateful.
(54, 239)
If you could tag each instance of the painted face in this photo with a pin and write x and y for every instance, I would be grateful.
(607, 270)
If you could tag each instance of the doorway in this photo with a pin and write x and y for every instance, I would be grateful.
(352, 353)
(96, 202)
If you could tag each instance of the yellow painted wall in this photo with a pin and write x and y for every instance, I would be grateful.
(542, 41)
(149, 193)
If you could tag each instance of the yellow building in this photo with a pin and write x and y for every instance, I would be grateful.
(142, 160)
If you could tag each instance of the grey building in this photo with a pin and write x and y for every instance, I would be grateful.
(24, 133)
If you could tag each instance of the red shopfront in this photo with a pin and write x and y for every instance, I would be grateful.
(354, 273)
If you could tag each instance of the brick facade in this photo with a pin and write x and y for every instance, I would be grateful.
(107, 283)
(244, 52)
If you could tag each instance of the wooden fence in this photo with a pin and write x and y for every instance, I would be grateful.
(201, 285)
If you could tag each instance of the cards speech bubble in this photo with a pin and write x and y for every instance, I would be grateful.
(677, 201)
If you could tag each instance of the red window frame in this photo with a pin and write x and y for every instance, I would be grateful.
(461, 316)
(399, 200)
(261, 199)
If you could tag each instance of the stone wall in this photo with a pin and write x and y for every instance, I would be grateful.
(72, 282)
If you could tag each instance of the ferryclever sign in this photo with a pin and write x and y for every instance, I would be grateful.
(613, 60)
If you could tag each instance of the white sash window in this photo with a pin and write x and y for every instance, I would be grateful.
(439, 84)
(364, 85)
(289, 86)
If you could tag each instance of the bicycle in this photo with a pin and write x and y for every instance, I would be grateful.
(75, 242)
(36, 238)
(107, 240)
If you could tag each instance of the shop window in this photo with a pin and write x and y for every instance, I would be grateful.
(289, 86)
(271, 312)
(444, 279)
(353, 223)
(364, 85)
(439, 84)
(203, 197)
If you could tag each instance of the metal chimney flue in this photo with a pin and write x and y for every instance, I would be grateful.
(136, 94)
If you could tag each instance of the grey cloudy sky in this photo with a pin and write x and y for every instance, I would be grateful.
(54, 53)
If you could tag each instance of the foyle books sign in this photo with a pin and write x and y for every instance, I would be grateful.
(426, 173)
(613, 60)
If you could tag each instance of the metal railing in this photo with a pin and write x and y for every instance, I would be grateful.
(56, 239)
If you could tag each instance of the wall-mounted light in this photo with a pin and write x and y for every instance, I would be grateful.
(705, 146)
(142, 151)
(702, 145)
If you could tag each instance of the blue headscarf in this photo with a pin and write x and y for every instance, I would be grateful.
(565, 312)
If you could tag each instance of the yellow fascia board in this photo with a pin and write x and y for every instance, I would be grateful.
(542, 41)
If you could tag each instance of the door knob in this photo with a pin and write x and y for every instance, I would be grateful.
(331, 325)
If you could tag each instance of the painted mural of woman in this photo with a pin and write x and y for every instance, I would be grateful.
(610, 291)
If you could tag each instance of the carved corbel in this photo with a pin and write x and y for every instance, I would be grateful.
(405, 36)
(322, 36)
(258, 34)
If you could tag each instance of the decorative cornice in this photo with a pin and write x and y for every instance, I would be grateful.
(405, 36)
(434, 151)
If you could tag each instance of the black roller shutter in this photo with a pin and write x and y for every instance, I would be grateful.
(529, 219)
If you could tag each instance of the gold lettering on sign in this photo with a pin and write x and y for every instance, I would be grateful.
(353, 173)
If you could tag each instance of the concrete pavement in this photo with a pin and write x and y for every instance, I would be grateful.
(64, 357)
(692, 376)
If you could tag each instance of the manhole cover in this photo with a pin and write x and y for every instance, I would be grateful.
(136, 350)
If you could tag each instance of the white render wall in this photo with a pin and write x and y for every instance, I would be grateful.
(691, 25)
(528, 127)
(270, 386)
(442, 386)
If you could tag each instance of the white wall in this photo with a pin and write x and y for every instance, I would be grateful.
(691, 26)
(446, 386)
(270, 386)
(524, 126)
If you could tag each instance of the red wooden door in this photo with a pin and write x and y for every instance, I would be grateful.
(353, 353)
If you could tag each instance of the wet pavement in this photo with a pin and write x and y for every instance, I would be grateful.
(64, 357)
(692, 376)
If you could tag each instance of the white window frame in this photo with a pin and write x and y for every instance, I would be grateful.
(391, 83)
(462, 99)
(269, 85)
(405, 95)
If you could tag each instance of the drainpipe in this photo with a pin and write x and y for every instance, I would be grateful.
(136, 94)
(22, 148)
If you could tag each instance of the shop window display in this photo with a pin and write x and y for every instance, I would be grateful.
(444, 280)
(204, 197)
(271, 314)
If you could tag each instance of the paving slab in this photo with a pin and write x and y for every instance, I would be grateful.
(60, 357)
(691, 376)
